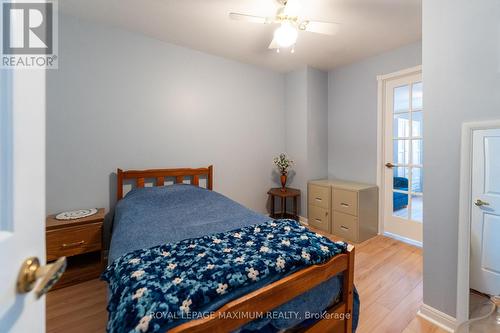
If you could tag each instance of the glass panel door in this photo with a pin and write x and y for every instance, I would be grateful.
(403, 147)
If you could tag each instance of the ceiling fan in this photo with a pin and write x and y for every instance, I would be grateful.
(288, 17)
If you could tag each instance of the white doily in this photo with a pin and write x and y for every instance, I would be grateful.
(76, 214)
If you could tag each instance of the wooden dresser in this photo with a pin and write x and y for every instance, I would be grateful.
(81, 242)
(346, 209)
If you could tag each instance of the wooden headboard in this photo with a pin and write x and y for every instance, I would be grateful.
(159, 175)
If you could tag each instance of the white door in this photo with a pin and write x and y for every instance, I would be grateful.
(403, 157)
(22, 194)
(485, 222)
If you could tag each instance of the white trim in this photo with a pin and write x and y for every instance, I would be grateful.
(403, 72)
(438, 318)
(303, 220)
(403, 239)
(464, 219)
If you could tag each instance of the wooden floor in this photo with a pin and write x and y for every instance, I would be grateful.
(388, 276)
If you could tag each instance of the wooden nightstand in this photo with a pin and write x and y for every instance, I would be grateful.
(284, 195)
(81, 242)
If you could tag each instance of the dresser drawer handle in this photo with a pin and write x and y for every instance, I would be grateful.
(66, 245)
(318, 220)
(318, 199)
(344, 204)
(345, 228)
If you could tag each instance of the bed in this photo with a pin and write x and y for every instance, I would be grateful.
(148, 217)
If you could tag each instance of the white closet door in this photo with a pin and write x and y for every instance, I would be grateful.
(485, 222)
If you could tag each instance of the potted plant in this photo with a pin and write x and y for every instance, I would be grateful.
(283, 163)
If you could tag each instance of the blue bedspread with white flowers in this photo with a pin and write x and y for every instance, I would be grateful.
(155, 289)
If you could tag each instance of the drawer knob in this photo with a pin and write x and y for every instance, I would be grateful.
(319, 199)
(345, 228)
(66, 245)
(344, 204)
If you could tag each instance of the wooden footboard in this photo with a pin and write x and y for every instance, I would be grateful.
(336, 319)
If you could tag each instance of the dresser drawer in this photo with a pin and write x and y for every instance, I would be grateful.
(345, 226)
(319, 218)
(345, 201)
(319, 196)
(73, 241)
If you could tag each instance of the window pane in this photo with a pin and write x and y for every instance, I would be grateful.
(400, 178)
(417, 124)
(401, 125)
(417, 210)
(401, 151)
(400, 204)
(417, 147)
(417, 180)
(416, 101)
(402, 99)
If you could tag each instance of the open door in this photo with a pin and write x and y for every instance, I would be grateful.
(22, 196)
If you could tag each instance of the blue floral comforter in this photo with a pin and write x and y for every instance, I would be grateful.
(155, 289)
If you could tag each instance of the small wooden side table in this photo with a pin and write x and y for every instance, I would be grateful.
(284, 195)
(80, 241)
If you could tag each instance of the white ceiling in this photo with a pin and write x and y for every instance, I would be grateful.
(368, 27)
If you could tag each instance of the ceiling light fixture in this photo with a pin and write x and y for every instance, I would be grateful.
(286, 35)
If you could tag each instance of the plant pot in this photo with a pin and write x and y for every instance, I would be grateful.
(283, 182)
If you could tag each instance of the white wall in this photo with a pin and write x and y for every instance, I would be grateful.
(122, 100)
(352, 112)
(306, 127)
(461, 73)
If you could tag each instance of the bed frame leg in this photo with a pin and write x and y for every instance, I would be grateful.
(349, 289)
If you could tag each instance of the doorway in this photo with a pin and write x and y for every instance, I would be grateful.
(401, 164)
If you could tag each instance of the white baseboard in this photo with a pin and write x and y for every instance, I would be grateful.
(403, 239)
(303, 220)
(438, 318)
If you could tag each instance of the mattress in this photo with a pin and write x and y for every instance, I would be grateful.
(153, 216)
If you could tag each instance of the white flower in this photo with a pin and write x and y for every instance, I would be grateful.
(221, 289)
(138, 274)
(264, 249)
(139, 292)
(227, 250)
(177, 280)
(143, 324)
(301, 227)
(256, 230)
(272, 224)
(192, 246)
(210, 266)
(280, 263)
(249, 243)
(216, 241)
(324, 248)
(252, 273)
(318, 235)
(287, 228)
(172, 266)
(269, 236)
(165, 254)
(304, 237)
(185, 305)
(237, 235)
(134, 261)
(240, 259)
(201, 255)
(306, 255)
(285, 242)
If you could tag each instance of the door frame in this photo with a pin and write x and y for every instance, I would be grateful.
(381, 90)
(464, 218)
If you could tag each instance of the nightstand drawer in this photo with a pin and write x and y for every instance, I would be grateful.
(345, 201)
(74, 240)
(319, 196)
(345, 226)
(319, 218)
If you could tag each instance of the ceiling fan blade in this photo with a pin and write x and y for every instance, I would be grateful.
(248, 18)
(274, 44)
(325, 28)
